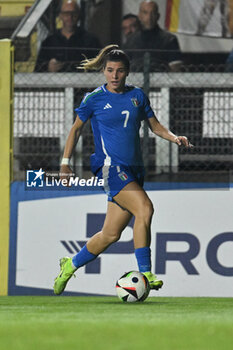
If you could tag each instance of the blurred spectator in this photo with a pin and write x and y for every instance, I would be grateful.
(229, 62)
(129, 25)
(62, 51)
(166, 54)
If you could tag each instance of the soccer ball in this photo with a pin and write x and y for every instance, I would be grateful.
(132, 286)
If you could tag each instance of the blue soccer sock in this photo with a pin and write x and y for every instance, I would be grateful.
(83, 257)
(143, 259)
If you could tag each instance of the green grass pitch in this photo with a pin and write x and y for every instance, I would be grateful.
(100, 323)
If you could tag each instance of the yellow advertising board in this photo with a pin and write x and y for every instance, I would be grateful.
(6, 153)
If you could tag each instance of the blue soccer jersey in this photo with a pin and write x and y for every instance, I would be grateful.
(116, 120)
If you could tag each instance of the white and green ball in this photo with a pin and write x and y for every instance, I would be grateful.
(132, 287)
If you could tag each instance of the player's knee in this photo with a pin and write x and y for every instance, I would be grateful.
(115, 236)
(111, 236)
(146, 210)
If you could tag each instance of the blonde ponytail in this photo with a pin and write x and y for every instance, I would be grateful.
(97, 62)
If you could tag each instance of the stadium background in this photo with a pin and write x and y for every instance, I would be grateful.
(196, 102)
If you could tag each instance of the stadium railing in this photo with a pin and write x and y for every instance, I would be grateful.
(198, 105)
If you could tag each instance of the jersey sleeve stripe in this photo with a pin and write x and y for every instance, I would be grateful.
(86, 98)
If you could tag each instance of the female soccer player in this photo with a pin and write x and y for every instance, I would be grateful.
(116, 111)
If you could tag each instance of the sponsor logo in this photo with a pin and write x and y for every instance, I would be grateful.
(164, 256)
(107, 106)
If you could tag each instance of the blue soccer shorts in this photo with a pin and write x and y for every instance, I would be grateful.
(116, 177)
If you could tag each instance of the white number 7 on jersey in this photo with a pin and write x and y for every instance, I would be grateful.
(126, 117)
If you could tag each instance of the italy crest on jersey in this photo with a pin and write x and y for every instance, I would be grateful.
(135, 102)
(123, 176)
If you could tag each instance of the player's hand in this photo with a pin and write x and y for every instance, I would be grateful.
(66, 173)
(183, 140)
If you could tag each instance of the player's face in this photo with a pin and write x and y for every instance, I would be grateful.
(115, 74)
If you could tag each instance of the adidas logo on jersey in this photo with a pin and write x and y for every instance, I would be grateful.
(107, 106)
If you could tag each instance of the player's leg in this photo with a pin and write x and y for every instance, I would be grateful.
(133, 198)
(115, 222)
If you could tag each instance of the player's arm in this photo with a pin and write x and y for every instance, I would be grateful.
(71, 142)
(73, 137)
(160, 130)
